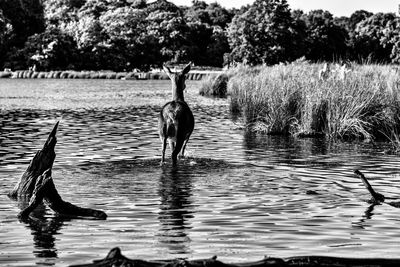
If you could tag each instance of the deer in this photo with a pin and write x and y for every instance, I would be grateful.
(175, 121)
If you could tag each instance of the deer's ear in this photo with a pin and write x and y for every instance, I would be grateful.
(167, 70)
(187, 68)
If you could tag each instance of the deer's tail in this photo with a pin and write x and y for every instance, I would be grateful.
(172, 125)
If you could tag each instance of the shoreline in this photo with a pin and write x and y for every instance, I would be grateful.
(70, 74)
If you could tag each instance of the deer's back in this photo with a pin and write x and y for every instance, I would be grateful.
(176, 113)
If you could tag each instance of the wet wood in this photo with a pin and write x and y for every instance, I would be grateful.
(36, 185)
(42, 161)
(115, 258)
(377, 198)
(46, 190)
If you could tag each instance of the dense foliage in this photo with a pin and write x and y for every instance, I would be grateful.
(138, 34)
(263, 34)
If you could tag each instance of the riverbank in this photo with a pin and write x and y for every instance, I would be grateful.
(70, 74)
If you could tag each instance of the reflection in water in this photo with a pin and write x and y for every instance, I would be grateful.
(319, 146)
(43, 229)
(288, 147)
(300, 151)
(361, 224)
(175, 191)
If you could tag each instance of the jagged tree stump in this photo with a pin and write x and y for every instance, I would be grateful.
(42, 161)
(36, 185)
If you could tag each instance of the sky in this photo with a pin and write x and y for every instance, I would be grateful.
(336, 7)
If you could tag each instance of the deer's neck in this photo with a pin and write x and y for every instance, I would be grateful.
(177, 94)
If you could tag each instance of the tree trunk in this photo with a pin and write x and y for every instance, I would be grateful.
(36, 185)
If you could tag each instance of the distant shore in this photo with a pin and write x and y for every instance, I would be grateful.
(70, 74)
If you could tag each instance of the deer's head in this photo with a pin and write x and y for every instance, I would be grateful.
(178, 81)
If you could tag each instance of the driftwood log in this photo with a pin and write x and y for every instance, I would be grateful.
(36, 185)
(115, 258)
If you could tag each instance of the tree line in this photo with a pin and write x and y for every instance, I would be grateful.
(138, 34)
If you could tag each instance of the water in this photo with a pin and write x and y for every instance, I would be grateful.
(238, 196)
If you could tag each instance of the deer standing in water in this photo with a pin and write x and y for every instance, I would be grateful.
(176, 121)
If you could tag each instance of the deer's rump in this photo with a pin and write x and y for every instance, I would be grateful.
(175, 119)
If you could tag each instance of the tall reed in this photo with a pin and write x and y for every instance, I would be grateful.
(291, 99)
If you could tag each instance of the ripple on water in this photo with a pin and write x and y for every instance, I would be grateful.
(238, 196)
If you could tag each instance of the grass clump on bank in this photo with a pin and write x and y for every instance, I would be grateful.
(293, 100)
(214, 85)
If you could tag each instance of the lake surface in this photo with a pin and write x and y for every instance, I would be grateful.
(239, 196)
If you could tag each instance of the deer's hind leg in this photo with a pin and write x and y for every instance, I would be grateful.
(175, 152)
(185, 143)
(164, 146)
(182, 154)
(171, 144)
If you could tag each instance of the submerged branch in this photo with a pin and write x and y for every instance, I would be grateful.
(376, 197)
